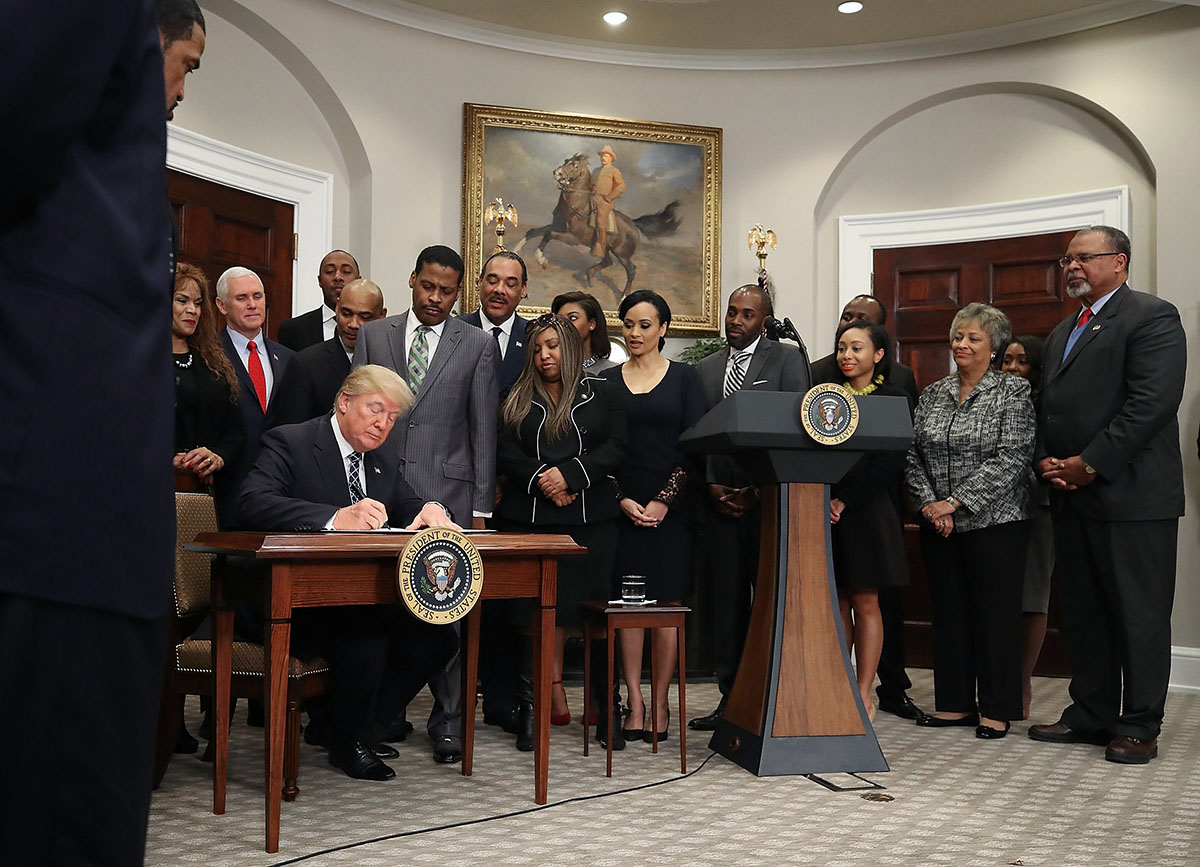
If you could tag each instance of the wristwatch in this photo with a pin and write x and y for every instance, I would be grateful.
(1088, 468)
(954, 501)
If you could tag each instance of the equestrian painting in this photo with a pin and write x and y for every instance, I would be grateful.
(605, 206)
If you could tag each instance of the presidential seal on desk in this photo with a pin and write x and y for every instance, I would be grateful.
(829, 413)
(440, 575)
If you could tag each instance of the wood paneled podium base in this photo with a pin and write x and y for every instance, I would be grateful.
(795, 706)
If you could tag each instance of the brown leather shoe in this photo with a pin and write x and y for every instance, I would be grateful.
(1061, 733)
(1128, 750)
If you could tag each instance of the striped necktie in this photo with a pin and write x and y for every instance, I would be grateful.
(418, 358)
(735, 373)
(356, 491)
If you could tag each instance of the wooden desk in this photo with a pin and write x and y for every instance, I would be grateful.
(322, 569)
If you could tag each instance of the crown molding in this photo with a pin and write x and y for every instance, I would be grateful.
(510, 39)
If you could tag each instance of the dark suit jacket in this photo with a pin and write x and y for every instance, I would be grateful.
(254, 420)
(900, 375)
(298, 481)
(446, 442)
(1114, 401)
(514, 358)
(84, 233)
(311, 382)
(303, 331)
(773, 367)
(587, 456)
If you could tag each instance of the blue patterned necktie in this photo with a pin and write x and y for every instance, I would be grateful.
(418, 358)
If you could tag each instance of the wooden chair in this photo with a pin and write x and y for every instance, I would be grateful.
(188, 668)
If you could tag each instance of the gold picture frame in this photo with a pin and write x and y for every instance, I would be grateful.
(666, 224)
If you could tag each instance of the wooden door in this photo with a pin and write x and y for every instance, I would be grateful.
(922, 288)
(220, 227)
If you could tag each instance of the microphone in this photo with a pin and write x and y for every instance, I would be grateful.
(785, 330)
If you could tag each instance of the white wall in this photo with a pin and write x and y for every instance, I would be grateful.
(1105, 108)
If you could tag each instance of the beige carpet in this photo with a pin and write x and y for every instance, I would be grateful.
(955, 801)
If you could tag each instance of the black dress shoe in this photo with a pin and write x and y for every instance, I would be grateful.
(383, 751)
(525, 739)
(988, 733)
(709, 723)
(397, 732)
(603, 727)
(509, 720)
(447, 750)
(902, 707)
(936, 722)
(358, 762)
(1061, 733)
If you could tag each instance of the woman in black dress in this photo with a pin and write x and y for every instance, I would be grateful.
(561, 439)
(662, 399)
(585, 313)
(208, 427)
(864, 507)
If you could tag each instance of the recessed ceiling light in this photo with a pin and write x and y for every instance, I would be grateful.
(615, 18)
(850, 8)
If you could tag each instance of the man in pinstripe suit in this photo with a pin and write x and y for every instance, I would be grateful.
(446, 443)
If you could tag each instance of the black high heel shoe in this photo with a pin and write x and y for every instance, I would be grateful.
(635, 734)
(936, 722)
(648, 734)
(988, 733)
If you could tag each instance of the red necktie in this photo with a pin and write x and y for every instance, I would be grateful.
(257, 376)
(1084, 318)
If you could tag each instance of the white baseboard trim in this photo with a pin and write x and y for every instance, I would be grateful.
(1185, 669)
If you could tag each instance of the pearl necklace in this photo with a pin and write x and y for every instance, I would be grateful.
(868, 388)
(184, 365)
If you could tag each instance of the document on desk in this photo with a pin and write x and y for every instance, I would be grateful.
(387, 529)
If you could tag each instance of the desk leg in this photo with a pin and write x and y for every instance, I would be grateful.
(277, 640)
(470, 677)
(222, 664)
(681, 653)
(543, 664)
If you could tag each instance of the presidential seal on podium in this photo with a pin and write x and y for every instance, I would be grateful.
(829, 413)
(440, 575)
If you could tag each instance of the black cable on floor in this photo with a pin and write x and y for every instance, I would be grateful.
(511, 815)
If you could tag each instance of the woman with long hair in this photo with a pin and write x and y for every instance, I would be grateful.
(1023, 358)
(562, 437)
(584, 312)
(208, 427)
(864, 507)
(662, 399)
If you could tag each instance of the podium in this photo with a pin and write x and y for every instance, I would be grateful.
(795, 707)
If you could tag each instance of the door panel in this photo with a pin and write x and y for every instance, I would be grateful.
(922, 288)
(220, 227)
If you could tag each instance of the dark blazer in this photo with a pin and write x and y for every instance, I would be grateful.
(298, 481)
(254, 420)
(900, 375)
(1114, 401)
(311, 382)
(514, 358)
(303, 331)
(588, 456)
(446, 442)
(84, 233)
(773, 367)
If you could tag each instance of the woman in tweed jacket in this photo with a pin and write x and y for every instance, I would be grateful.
(966, 471)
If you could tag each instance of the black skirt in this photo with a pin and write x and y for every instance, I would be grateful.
(868, 546)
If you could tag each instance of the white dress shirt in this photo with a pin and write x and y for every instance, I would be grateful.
(329, 323)
(241, 344)
(505, 330)
(432, 336)
(733, 352)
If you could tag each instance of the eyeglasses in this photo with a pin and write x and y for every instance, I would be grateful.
(1082, 258)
